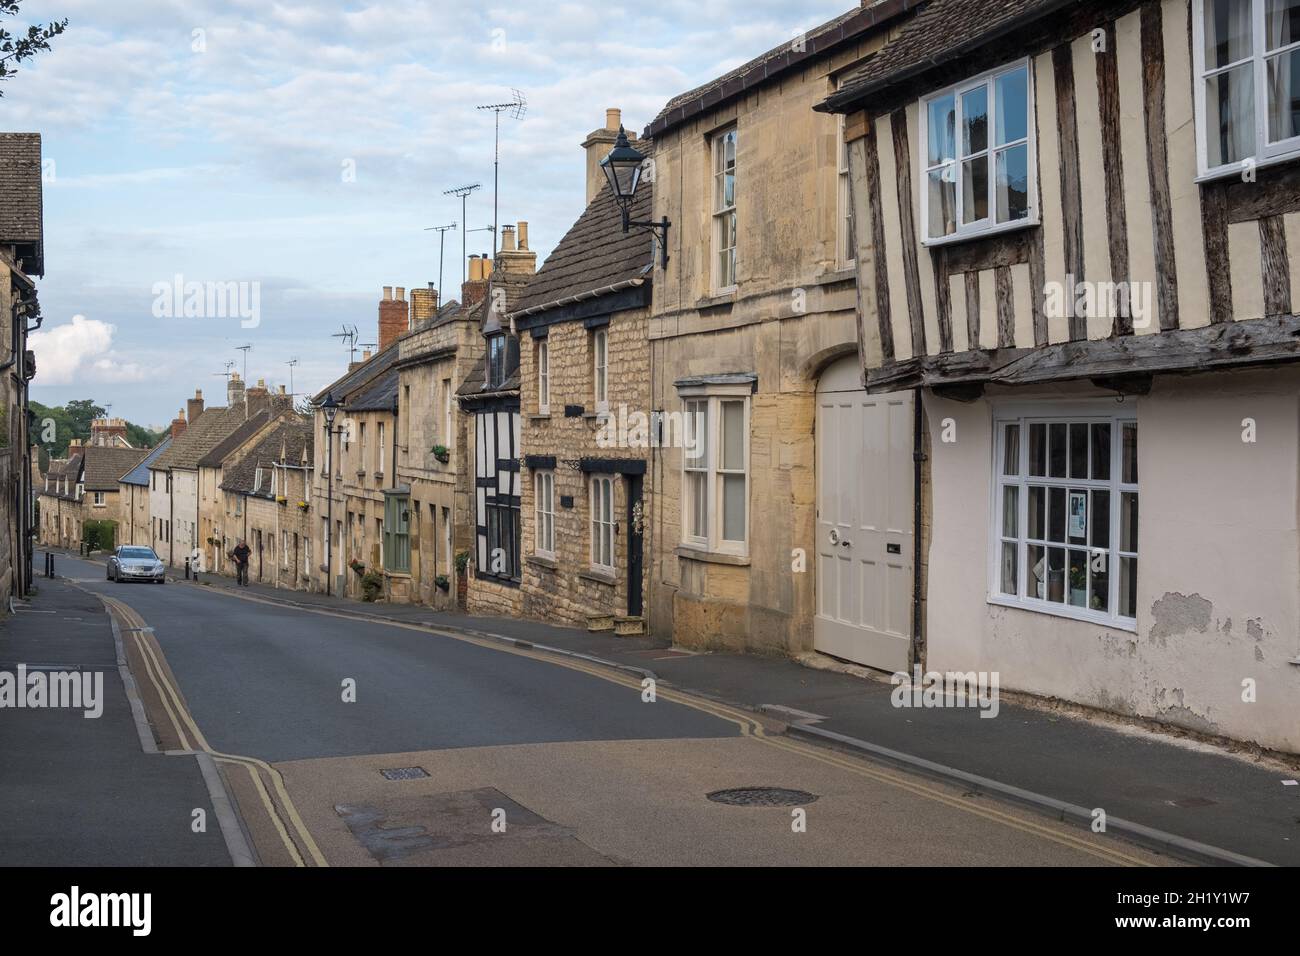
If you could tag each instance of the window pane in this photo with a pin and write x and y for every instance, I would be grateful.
(1078, 450)
(1056, 514)
(1057, 450)
(1101, 451)
(733, 507)
(1100, 519)
(1099, 582)
(1037, 506)
(1281, 23)
(975, 189)
(1284, 96)
(1037, 581)
(1011, 449)
(733, 436)
(975, 121)
(1056, 575)
(1078, 575)
(1128, 454)
(942, 202)
(940, 134)
(1230, 116)
(697, 430)
(1128, 521)
(1128, 574)
(1010, 91)
(1227, 32)
(1077, 516)
(1013, 183)
(696, 485)
(1010, 510)
(1038, 449)
(1009, 575)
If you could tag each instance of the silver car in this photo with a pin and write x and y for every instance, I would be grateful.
(133, 562)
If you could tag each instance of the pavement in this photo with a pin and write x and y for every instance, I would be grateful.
(83, 791)
(1197, 792)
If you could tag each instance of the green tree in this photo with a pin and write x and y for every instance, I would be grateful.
(83, 411)
(18, 46)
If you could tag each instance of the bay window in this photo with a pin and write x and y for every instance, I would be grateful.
(1065, 515)
(1247, 62)
(715, 472)
(977, 156)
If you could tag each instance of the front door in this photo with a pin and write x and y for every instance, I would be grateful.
(635, 539)
(864, 521)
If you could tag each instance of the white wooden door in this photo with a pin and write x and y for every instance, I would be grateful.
(864, 521)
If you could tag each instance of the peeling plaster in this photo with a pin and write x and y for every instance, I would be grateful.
(1177, 613)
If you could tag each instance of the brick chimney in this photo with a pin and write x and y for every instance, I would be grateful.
(194, 407)
(257, 398)
(424, 305)
(394, 317)
(475, 288)
(597, 146)
(515, 257)
(178, 425)
(234, 390)
(281, 402)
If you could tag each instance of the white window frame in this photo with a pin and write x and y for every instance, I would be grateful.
(543, 377)
(720, 214)
(1025, 414)
(600, 368)
(602, 537)
(846, 255)
(544, 513)
(97, 499)
(715, 395)
(988, 226)
(1266, 154)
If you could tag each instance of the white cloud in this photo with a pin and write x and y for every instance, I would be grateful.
(81, 352)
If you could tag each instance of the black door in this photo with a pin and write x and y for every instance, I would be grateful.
(635, 538)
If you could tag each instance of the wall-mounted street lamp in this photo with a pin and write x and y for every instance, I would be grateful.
(623, 168)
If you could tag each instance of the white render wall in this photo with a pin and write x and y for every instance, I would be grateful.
(1218, 574)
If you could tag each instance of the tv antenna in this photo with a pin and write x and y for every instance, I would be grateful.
(291, 363)
(226, 374)
(442, 240)
(349, 337)
(462, 192)
(517, 107)
(245, 349)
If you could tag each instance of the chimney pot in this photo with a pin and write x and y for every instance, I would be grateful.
(613, 118)
(388, 292)
(400, 294)
(523, 234)
(507, 238)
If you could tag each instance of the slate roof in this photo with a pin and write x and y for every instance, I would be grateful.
(20, 196)
(594, 253)
(139, 475)
(379, 396)
(359, 378)
(290, 435)
(243, 433)
(780, 59)
(941, 30)
(207, 431)
(61, 468)
(106, 464)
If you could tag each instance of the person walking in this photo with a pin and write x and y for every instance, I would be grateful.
(240, 556)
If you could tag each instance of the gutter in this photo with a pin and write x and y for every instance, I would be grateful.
(578, 297)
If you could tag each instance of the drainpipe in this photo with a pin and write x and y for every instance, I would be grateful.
(918, 460)
(171, 520)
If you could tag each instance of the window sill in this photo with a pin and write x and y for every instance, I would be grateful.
(1235, 171)
(1016, 226)
(723, 297)
(543, 561)
(600, 577)
(711, 557)
(540, 417)
(847, 273)
(1069, 612)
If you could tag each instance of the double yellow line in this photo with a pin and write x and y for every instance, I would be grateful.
(191, 738)
(752, 728)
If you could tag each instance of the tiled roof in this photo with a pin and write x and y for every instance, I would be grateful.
(595, 253)
(20, 193)
(105, 465)
(69, 468)
(202, 435)
(360, 377)
(779, 59)
(941, 30)
(290, 435)
(379, 396)
(139, 475)
(243, 433)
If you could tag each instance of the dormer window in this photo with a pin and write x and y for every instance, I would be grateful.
(496, 361)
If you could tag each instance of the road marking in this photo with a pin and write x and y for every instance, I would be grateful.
(749, 727)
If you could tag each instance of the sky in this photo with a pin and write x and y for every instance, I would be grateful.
(298, 150)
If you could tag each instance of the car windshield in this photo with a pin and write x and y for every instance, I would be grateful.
(143, 554)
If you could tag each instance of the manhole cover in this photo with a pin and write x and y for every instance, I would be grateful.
(762, 797)
(405, 773)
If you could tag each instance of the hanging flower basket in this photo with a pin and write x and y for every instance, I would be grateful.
(304, 506)
(357, 566)
(442, 453)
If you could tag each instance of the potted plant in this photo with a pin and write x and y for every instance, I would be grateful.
(1079, 585)
(372, 585)
(442, 453)
(442, 582)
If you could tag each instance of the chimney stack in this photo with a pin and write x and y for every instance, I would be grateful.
(474, 289)
(178, 425)
(394, 319)
(194, 406)
(424, 305)
(234, 390)
(107, 432)
(597, 146)
(520, 260)
(256, 399)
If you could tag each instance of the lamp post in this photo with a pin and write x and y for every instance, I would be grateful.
(331, 408)
(622, 168)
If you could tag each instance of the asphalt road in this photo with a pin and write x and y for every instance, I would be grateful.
(521, 758)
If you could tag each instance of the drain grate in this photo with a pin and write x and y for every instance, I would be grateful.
(762, 797)
(404, 773)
